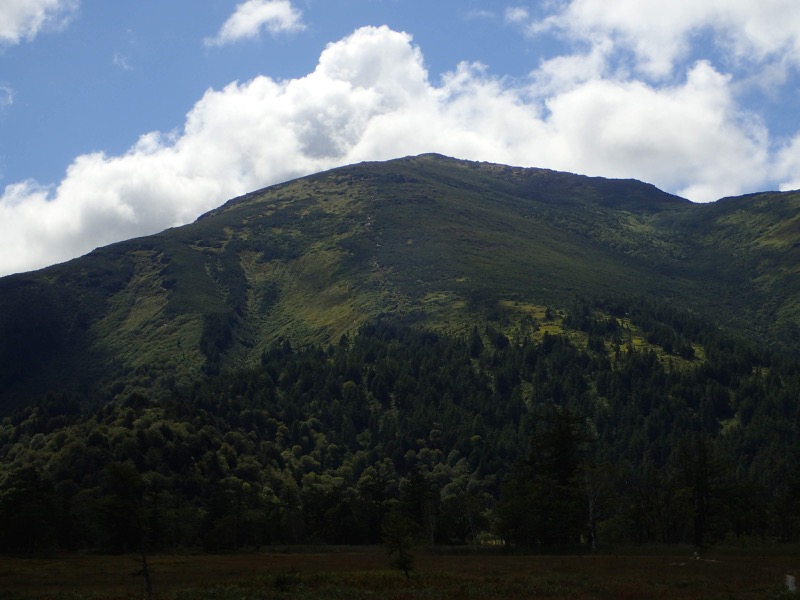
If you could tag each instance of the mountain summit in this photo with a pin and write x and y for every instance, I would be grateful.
(425, 239)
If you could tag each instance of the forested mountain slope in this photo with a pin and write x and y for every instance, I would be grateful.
(543, 357)
(594, 435)
(435, 240)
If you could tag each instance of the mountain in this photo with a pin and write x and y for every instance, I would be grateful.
(477, 349)
(426, 239)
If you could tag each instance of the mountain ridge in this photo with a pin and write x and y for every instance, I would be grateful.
(429, 239)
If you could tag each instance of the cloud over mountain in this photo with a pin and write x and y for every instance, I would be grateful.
(370, 98)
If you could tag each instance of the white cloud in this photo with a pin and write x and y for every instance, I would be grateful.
(250, 17)
(690, 138)
(517, 14)
(788, 165)
(370, 98)
(24, 19)
(121, 61)
(564, 72)
(660, 33)
(6, 97)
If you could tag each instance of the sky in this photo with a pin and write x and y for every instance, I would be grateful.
(121, 119)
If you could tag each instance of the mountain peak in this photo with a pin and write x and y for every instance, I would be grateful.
(426, 238)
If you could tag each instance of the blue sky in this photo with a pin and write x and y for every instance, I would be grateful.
(119, 119)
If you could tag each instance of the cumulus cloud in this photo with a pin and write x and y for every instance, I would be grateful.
(371, 98)
(688, 138)
(250, 17)
(564, 72)
(659, 34)
(24, 19)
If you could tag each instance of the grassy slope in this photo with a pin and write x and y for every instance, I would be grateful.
(759, 236)
(426, 237)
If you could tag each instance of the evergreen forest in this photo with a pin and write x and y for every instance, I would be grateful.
(569, 429)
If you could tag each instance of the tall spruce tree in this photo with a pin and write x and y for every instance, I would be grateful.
(542, 500)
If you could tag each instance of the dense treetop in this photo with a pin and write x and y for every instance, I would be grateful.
(614, 429)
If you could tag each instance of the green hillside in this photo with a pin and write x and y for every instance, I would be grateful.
(431, 239)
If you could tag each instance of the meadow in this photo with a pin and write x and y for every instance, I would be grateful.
(355, 573)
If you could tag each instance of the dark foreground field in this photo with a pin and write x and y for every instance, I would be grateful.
(365, 574)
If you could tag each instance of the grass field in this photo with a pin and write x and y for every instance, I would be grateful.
(364, 573)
